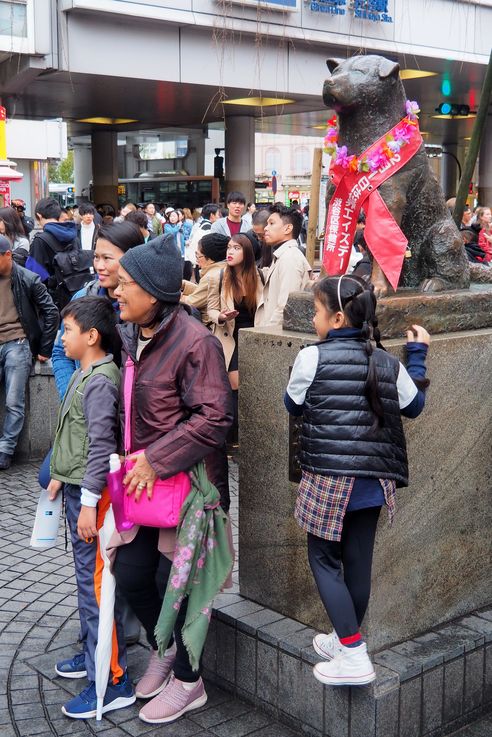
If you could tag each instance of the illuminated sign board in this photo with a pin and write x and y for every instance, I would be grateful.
(374, 10)
(289, 5)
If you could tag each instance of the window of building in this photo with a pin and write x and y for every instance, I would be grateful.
(13, 18)
(302, 163)
(273, 159)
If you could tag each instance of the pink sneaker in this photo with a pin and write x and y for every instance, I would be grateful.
(156, 676)
(174, 701)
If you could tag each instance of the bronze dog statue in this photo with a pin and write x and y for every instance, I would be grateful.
(367, 94)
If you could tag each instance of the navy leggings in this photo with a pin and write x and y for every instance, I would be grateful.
(141, 573)
(342, 570)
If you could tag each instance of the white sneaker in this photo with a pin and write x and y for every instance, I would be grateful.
(350, 667)
(327, 646)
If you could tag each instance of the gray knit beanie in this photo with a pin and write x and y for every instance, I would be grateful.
(157, 267)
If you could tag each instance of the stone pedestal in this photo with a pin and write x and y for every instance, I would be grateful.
(434, 564)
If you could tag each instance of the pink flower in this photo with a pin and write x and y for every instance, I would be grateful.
(200, 563)
(412, 109)
(394, 146)
(403, 133)
(198, 513)
(176, 581)
(187, 553)
(342, 158)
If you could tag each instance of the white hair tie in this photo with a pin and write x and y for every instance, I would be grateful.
(338, 293)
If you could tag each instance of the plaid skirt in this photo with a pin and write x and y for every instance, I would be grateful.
(322, 502)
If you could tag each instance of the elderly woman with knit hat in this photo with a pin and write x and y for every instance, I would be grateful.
(180, 414)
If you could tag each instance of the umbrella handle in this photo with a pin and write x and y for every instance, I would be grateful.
(99, 707)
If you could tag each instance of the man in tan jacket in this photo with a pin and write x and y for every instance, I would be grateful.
(289, 270)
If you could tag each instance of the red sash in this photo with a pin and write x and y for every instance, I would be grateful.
(354, 189)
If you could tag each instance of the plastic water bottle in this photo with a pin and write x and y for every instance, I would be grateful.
(117, 492)
(45, 530)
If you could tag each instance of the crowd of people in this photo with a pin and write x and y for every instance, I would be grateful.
(156, 302)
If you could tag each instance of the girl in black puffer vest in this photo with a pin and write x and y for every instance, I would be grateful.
(351, 397)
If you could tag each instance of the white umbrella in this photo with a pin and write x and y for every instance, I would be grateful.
(106, 615)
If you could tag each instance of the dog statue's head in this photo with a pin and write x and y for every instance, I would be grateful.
(361, 81)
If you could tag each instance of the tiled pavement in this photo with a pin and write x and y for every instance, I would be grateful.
(38, 625)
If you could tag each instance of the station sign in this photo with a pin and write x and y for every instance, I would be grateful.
(373, 10)
(290, 6)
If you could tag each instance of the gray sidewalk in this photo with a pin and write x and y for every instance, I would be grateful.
(39, 625)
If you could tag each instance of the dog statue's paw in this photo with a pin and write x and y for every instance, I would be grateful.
(434, 285)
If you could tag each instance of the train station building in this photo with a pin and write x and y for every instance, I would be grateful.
(150, 88)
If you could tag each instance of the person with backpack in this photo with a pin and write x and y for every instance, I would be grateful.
(28, 325)
(56, 255)
(351, 396)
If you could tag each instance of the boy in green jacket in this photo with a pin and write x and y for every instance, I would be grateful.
(85, 437)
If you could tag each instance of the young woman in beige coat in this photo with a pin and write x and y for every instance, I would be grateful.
(233, 296)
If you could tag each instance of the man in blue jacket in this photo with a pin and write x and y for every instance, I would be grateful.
(28, 325)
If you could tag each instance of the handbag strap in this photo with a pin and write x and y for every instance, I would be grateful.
(127, 400)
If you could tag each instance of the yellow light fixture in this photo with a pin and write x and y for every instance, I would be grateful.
(107, 121)
(320, 127)
(259, 101)
(455, 117)
(415, 74)
(424, 133)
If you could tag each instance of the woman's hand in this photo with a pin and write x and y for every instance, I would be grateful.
(225, 316)
(418, 334)
(86, 523)
(141, 477)
(54, 487)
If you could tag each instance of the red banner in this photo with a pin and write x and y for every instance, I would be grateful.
(354, 189)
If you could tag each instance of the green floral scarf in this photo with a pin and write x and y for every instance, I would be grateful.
(201, 565)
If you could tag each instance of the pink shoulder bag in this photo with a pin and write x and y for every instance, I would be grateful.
(168, 495)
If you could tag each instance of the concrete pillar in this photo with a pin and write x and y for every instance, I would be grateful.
(82, 169)
(199, 144)
(105, 167)
(240, 155)
(449, 170)
(485, 167)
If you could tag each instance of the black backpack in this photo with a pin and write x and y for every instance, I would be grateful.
(72, 269)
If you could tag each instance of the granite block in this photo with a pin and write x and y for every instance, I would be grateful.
(430, 568)
(210, 649)
(238, 610)
(454, 688)
(246, 662)
(252, 622)
(226, 652)
(405, 667)
(445, 646)
(387, 707)
(386, 680)
(312, 703)
(267, 673)
(469, 638)
(410, 708)
(289, 676)
(474, 673)
(425, 653)
(337, 708)
(480, 625)
(432, 700)
(275, 631)
(295, 642)
(487, 685)
(362, 712)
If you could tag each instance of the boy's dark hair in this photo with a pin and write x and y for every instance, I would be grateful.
(209, 209)
(260, 217)
(123, 235)
(97, 313)
(290, 215)
(214, 246)
(86, 208)
(236, 197)
(48, 208)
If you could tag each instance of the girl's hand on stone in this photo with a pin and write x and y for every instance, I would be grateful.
(141, 477)
(54, 487)
(418, 334)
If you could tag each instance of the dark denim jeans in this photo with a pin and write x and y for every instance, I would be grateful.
(15, 367)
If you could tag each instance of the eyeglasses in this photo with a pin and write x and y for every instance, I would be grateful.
(199, 255)
(123, 284)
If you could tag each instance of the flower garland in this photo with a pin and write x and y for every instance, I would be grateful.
(401, 135)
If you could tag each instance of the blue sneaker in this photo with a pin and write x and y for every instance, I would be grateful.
(72, 667)
(84, 705)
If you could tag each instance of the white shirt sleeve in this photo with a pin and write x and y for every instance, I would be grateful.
(88, 498)
(407, 391)
(303, 373)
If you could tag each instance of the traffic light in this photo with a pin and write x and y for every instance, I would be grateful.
(447, 108)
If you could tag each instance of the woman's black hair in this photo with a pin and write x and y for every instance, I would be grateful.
(123, 235)
(12, 221)
(356, 299)
(94, 312)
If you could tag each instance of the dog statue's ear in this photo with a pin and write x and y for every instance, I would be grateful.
(333, 63)
(388, 68)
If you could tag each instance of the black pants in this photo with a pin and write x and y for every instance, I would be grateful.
(342, 570)
(141, 573)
